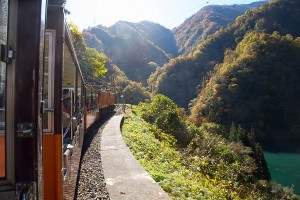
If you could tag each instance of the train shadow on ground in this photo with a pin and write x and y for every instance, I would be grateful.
(91, 132)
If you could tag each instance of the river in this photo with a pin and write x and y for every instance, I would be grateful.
(285, 169)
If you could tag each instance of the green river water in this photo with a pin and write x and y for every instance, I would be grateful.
(285, 169)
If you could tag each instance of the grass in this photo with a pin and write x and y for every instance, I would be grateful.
(186, 175)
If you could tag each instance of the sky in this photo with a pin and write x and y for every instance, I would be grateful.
(168, 13)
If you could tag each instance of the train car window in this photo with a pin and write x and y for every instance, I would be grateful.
(78, 102)
(3, 42)
(95, 98)
(92, 95)
(48, 93)
(89, 99)
(69, 70)
(69, 86)
(67, 114)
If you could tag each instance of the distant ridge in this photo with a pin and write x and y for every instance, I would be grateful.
(132, 46)
(205, 22)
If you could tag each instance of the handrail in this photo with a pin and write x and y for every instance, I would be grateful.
(49, 109)
(77, 115)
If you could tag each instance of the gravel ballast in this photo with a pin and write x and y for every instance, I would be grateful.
(91, 182)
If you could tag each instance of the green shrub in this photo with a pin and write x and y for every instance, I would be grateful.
(210, 167)
(165, 114)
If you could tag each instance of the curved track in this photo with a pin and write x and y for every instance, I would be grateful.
(91, 183)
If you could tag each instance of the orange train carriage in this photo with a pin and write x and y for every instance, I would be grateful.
(45, 104)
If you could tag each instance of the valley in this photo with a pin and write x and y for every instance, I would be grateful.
(234, 66)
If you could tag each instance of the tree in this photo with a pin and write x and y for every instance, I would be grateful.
(135, 93)
(262, 170)
(257, 87)
(165, 114)
(91, 62)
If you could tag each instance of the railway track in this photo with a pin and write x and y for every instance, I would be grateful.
(91, 183)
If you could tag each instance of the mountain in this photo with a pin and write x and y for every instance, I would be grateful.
(205, 22)
(160, 36)
(183, 77)
(140, 48)
(257, 87)
(132, 92)
(136, 48)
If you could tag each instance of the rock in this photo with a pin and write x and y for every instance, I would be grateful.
(91, 183)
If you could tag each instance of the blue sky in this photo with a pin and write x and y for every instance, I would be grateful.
(169, 13)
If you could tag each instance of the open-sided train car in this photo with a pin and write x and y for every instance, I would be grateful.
(45, 104)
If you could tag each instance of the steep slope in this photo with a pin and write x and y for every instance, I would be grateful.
(160, 36)
(181, 78)
(132, 46)
(258, 88)
(205, 22)
(115, 80)
(92, 41)
(99, 38)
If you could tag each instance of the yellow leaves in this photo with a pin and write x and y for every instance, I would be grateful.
(233, 86)
(196, 53)
(217, 88)
(96, 61)
(297, 42)
(234, 80)
(100, 71)
(88, 57)
(202, 105)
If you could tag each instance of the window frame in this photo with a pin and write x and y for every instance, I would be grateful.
(7, 182)
(50, 58)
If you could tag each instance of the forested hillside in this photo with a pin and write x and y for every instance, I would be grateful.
(133, 92)
(137, 48)
(257, 87)
(205, 22)
(99, 70)
(183, 77)
(192, 162)
(239, 80)
(160, 36)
